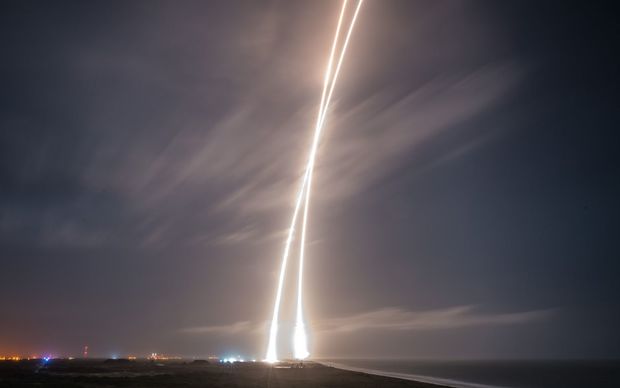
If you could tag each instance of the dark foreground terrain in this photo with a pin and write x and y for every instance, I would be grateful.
(99, 373)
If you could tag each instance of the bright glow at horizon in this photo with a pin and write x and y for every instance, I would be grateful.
(299, 338)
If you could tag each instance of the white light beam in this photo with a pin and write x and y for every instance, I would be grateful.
(300, 337)
(273, 332)
(300, 340)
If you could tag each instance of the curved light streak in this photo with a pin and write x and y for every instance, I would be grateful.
(273, 331)
(300, 339)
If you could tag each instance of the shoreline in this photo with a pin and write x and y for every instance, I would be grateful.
(436, 381)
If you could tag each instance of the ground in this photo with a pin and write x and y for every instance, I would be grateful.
(187, 374)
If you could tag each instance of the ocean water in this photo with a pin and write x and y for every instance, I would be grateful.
(486, 374)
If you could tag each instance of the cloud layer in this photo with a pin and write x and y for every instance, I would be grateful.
(392, 319)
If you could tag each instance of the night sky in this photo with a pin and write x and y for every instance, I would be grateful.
(465, 201)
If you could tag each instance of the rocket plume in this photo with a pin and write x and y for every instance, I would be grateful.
(271, 347)
(299, 339)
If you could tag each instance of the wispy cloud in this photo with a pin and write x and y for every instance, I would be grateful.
(368, 140)
(234, 328)
(393, 318)
(247, 165)
(246, 234)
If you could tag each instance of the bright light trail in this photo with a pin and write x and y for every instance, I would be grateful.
(273, 332)
(300, 340)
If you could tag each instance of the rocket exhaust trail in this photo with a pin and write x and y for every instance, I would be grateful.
(273, 331)
(300, 340)
(271, 348)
